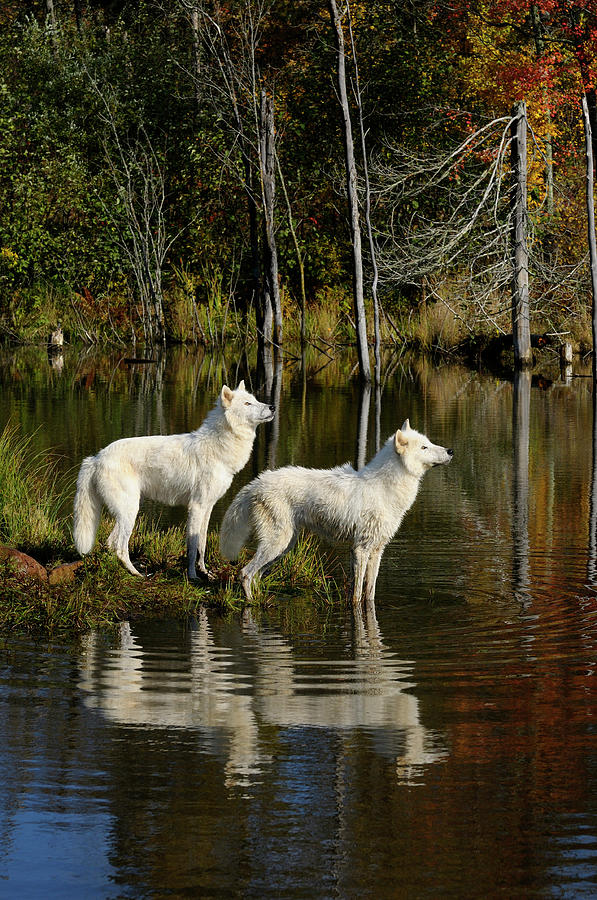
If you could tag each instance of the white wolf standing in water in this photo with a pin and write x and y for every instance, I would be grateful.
(192, 470)
(363, 509)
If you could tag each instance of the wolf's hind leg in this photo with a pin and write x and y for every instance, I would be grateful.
(265, 556)
(112, 538)
(120, 536)
(122, 546)
(268, 566)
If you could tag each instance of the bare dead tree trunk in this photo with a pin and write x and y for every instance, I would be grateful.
(591, 101)
(271, 304)
(274, 395)
(363, 424)
(196, 33)
(591, 224)
(373, 254)
(353, 202)
(52, 23)
(51, 14)
(521, 332)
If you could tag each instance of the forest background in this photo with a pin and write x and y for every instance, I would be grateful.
(152, 153)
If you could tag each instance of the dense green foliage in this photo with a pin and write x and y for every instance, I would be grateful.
(128, 147)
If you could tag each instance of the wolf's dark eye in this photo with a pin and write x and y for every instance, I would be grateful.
(247, 403)
(424, 448)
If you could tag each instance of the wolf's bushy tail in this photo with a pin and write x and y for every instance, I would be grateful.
(236, 527)
(87, 509)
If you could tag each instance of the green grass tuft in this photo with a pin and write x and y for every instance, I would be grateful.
(31, 497)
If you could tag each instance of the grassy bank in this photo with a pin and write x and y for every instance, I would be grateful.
(102, 594)
(99, 592)
(202, 311)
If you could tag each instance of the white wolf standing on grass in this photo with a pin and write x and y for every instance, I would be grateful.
(363, 509)
(192, 470)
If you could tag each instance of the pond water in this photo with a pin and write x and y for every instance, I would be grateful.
(441, 745)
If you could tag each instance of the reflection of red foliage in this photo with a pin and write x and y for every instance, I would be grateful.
(88, 379)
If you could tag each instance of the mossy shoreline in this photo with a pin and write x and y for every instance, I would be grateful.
(99, 593)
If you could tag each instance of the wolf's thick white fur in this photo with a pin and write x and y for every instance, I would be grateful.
(363, 509)
(192, 470)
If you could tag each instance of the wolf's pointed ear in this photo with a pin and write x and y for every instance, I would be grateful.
(400, 441)
(241, 385)
(405, 425)
(226, 396)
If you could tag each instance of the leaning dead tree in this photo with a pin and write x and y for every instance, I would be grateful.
(466, 246)
(352, 196)
(456, 227)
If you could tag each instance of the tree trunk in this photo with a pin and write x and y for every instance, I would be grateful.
(51, 14)
(274, 396)
(363, 424)
(591, 224)
(195, 29)
(52, 24)
(375, 281)
(591, 101)
(521, 333)
(270, 286)
(353, 204)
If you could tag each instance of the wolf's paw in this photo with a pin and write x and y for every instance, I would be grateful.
(198, 577)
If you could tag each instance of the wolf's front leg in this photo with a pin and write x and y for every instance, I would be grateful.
(197, 525)
(371, 573)
(359, 558)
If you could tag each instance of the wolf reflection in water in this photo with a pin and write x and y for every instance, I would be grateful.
(229, 692)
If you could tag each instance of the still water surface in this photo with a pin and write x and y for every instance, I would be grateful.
(443, 745)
